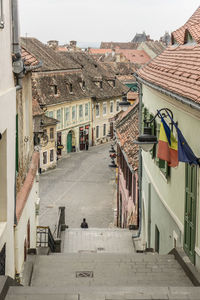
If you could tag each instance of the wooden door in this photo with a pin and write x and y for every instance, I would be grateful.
(190, 210)
(69, 142)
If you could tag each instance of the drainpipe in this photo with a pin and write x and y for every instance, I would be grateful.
(18, 66)
(140, 166)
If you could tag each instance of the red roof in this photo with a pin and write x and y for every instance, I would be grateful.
(177, 69)
(29, 59)
(192, 25)
(99, 51)
(135, 56)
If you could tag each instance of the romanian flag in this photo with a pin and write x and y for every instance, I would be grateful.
(167, 145)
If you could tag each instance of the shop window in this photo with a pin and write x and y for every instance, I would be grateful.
(97, 132)
(51, 155)
(45, 158)
(51, 133)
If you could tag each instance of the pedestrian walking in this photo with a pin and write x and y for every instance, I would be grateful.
(84, 224)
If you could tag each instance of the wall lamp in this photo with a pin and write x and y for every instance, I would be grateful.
(125, 104)
(146, 141)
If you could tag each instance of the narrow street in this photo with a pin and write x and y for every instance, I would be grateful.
(84, 184)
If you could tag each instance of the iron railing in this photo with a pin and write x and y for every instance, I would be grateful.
(45, 238)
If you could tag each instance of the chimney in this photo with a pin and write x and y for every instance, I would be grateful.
(73, 44)
(52, 44)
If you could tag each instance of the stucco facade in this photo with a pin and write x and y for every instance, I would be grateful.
(74, 118)
(164, 198)
(7, 142)
(102, 111)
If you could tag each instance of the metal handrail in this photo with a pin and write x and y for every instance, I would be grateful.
(45, 238)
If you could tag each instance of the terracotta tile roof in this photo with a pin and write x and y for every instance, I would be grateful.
(135, 56)
(132, 96)
(29, 59)
(51, 60)
(155, 46)
(192, 25)
(127, 131)
(99, 51)
(114, 45)
(22, 195)
(177, 69)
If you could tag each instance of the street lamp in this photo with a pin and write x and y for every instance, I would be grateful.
(125, 104)
(146, 141)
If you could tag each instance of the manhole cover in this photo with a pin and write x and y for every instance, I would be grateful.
(84, 274)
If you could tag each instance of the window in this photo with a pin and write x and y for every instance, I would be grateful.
(80, 111)
(101, 84)
(55, 90)
(50, 114)
(51, 155)
(111, 107)
(86, 110)
(45, 158)
(51, 133)
(117, 105)
(104, 108)
(73, 113)
(1, 15)
(70, 88)
(104, 129)
(97, 110)
(67, 114)
(83, 85)
(97, 132)
(58, 117)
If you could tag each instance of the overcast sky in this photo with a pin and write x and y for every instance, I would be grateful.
(102, 20)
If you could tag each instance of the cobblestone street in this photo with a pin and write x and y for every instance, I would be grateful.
(84, 184)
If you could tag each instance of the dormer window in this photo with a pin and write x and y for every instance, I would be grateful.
(83, 85)
(101, 84)
(70, 87)
(55, 90)
(188, 38)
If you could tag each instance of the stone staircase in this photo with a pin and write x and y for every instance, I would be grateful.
(81, 273)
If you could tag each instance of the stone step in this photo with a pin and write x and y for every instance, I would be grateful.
(124, 293)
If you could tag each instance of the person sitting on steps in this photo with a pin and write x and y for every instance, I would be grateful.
(84, 224)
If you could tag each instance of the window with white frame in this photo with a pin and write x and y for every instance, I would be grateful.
(86, 110)
(58, 117)
(1, 15)
(80, 111)
(97, 110)
(117, 105)
(45, 158)
(97, 132)
(51, 133)
(104, 108)
(51, 155)
(111, 107)
(73, 113)
(50, 114)
(104, 129)
(67, 114)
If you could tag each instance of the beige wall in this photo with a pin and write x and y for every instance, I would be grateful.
(103, 118)
(50, 146)
(71, 124)
(7, 128)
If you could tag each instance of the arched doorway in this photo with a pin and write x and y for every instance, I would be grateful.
(71, 142)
